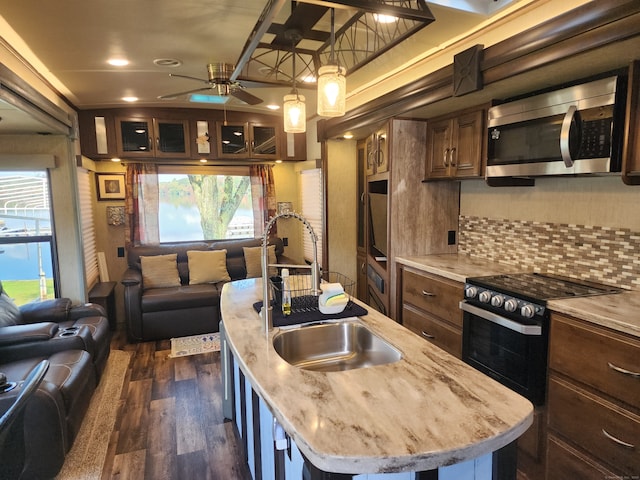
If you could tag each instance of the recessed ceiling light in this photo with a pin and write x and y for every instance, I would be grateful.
(115, 159)
(273, 107)
(348, 136)
(118, 62)
(203, 160)
(130, 99)
(167, 62)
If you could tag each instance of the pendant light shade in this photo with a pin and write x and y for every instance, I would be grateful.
(295, 111)
(332, 86)
(295, 115)
(332, 83)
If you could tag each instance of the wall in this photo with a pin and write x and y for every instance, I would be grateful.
(581, 227)
(342, 207)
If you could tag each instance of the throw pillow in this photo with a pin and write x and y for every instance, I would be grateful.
(159, 271)
(207, 266)
(253, 260)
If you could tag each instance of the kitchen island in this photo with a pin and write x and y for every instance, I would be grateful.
(426, 411)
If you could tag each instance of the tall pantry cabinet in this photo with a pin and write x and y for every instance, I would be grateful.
(418, 217)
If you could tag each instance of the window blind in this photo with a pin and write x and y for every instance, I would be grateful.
(312, 206)
(87, 227)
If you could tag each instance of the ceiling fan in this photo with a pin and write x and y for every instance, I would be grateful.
(219, 83)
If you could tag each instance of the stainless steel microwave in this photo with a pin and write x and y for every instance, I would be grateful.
(571, 131)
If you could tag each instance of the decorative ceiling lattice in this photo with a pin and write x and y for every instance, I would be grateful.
(361, 35)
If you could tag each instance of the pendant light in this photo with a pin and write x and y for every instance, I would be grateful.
(332, 83)
(294, 109)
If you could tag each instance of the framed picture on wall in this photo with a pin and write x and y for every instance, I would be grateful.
(110, 186)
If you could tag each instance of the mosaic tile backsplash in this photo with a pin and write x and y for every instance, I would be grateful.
(600, 254)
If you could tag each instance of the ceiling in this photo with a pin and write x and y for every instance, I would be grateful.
(69, 44)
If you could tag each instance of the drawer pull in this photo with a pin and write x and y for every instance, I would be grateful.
(623, 371)
(617, 440)
(427, 335)
(428, 294)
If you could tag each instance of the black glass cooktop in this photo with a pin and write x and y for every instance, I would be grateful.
(541, 286)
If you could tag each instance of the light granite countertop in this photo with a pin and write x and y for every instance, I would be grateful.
(455, 267)
(427, 410)
(620, 311)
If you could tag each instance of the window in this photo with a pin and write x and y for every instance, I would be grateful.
(312, 207)
(26, 241)
(204, 203)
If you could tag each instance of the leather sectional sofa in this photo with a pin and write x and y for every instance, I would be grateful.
(182, 296)
(76, 342)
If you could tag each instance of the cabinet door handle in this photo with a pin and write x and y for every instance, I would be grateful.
(427, 335)
(445, 157)
(623, 371)
(617, 440)
(363, 267)
(428, 294)
(452, 157)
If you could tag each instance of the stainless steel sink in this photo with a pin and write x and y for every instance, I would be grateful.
(333, 346)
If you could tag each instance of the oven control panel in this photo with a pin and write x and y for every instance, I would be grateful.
(503, 302)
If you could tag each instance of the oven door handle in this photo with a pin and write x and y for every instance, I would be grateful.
(532, 330)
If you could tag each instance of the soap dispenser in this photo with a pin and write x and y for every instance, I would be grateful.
(286, 292)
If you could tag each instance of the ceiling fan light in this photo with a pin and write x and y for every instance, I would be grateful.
(295, 116)
(332, 91)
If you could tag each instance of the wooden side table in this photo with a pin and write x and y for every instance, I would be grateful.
(103, 294)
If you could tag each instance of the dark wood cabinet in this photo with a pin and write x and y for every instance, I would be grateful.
(152, 137)
(180, 133)
(248, 140)
(377, 151)
(430, 309)
(593, 401)
(631, 145)
(455, 146)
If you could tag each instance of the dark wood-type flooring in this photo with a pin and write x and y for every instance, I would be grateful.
(170, 423)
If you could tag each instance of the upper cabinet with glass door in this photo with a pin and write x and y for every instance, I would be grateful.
(147, 137)
(248, 140)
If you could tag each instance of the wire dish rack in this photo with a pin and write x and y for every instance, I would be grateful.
(301, 288)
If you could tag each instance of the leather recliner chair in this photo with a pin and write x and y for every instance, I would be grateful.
(53, 416)
(12, 446)
(49, 326)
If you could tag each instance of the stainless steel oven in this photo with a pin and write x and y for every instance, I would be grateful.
(506, 326)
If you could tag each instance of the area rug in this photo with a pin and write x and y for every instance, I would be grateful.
(195, 344)
(86, 458)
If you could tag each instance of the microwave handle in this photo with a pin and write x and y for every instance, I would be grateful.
(565, 135)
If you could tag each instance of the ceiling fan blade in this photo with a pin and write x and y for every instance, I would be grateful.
(261, 84)
(245, 96)
(190, 78)
(171, 96)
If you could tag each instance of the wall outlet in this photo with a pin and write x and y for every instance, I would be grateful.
(451, 237)
(285, 242)
(121, 252)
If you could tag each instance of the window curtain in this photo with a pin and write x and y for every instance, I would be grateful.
(263, 193)
(141, 204)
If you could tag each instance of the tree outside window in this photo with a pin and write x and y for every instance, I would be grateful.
(204, 206)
